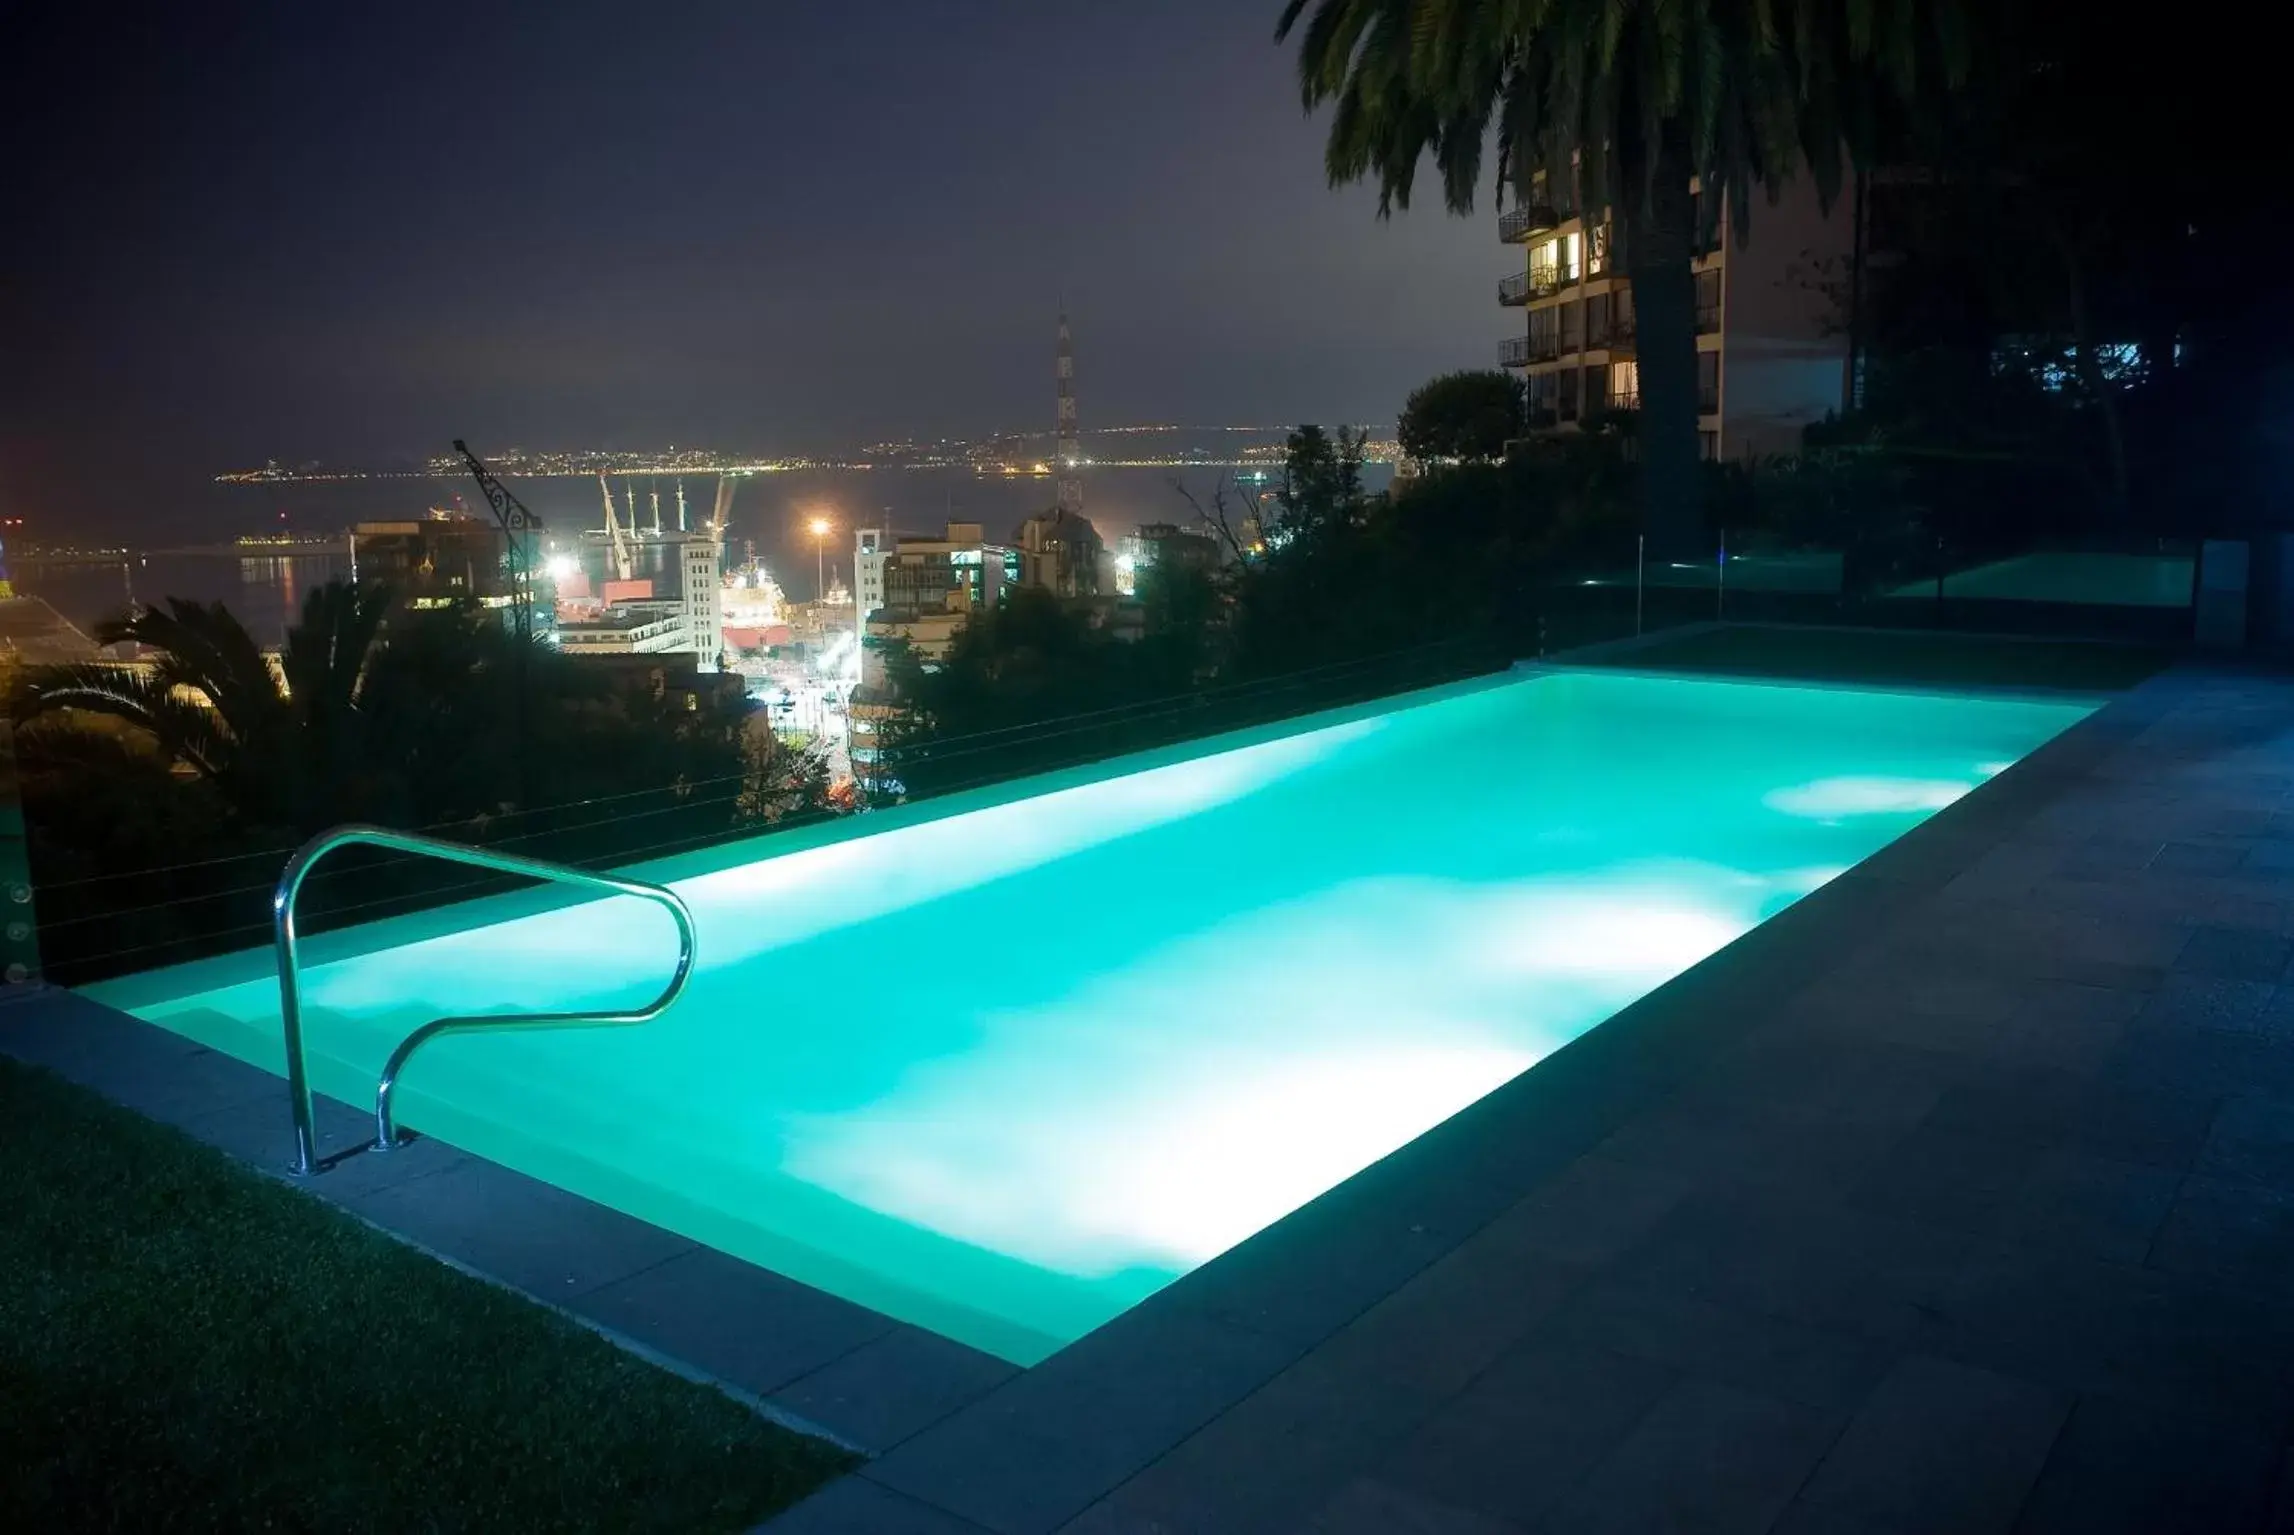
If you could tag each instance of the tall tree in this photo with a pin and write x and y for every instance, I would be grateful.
(1466, 417)
(1624, 101)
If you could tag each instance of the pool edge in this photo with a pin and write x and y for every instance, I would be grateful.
(1216, 1336)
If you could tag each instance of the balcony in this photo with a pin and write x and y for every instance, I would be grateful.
(1620, 404)
(1708, 402)
(1517, 225)
(1708, 319)
(1616, 336)
(1513, 351)
(1513, 289)
(1544, 348)
(1545, 281)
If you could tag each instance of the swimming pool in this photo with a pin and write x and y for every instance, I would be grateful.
(1005, 1064)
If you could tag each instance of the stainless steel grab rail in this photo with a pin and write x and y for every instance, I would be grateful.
(290, 991)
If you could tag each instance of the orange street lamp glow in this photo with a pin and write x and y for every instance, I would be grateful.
(819, 527)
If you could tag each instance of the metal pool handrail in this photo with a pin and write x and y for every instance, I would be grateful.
(290, 994)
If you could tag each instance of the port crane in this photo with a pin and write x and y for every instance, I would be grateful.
(519, 529)
(519, 526)
(624, 563)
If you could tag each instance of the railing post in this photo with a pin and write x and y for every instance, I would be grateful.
(20, 945)
(1640, 576)
(290, 975)
(291, 1001)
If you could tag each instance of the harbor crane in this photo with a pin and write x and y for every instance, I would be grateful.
(519, 527)
(624, 564)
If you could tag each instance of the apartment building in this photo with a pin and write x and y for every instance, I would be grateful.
(1772, 357)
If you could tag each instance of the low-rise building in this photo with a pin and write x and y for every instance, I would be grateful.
(636, 629)
(432, 561)
(1061, 552)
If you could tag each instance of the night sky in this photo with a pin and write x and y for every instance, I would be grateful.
(246, 232)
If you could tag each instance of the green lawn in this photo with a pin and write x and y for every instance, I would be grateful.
(1882, 657)
(187, 1346)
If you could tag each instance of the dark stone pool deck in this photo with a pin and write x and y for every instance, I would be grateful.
(1958, 1197)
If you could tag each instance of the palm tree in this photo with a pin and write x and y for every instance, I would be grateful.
(281, 746)
(1625, 101)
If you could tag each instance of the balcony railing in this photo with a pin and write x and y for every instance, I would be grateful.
(1708, 319)
(1513, 351)
(1598, 255)
(1618, 403)
(1544, 348)
(1516, 225)
(1513, 289)
(1708, 402)
(1616, 335)
(1544, 281)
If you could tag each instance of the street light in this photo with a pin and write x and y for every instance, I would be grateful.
(820, 528)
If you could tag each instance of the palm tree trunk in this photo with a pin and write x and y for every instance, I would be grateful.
(1657, 215)
(2100, 392)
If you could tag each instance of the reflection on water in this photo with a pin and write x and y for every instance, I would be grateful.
(267, 594)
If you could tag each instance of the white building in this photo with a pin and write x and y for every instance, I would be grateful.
(870, 548)
(638, 629)
(703, 596)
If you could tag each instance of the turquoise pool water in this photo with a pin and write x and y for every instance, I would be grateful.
(1006, 1065)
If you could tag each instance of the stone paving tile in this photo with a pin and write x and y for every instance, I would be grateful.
(1319, 1270)
(2234, 953)
(519, 1230)
(2216, 1063)
(1939, 1446)
(170, 1079)
(854, 1505)
(2107, 858)
(2252, 1139)
(1800, 1262)
(1451, 1321)
(2175, 1340)
(1366, 1506)
(1038, 1450)
(2199, 857)
(1749, 1146)
(2087, 1206)
(1792, 1362)
(733, 1320)
(2237, 1233)
(1519, 1440)
(1592, 1212)
(1707, 1457)
(77, 1039)
(1834, 1076)
(1270, 1461)
(2200, 1001)
(2120, 1468)
(2119, 1120)
(1942, 1175)
(893, 1387)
